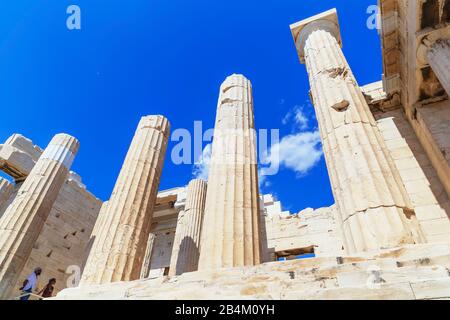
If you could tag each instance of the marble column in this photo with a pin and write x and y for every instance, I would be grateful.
(95, 231)
(6, 190)
(230, 231)
(374, 209)
(438, 55)
(186, 246)
(100, 220)
(24, 218)
(119, 248)
(148, 256)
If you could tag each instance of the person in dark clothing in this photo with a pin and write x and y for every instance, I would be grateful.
(47, 291)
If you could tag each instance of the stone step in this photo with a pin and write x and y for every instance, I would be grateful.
(386, 278)
(396, 291)
(392, 274)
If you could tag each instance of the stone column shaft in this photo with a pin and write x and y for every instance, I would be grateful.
(6, 190)
(438, 56)
(230, 232)
(375, 211)
(95, 231)
(186, 246)
(119, 248)
(24, 218)
(148, 256)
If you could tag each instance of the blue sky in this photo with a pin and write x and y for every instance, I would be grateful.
(134, 58)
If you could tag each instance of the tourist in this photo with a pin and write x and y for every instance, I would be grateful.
(47, 291)
(30, 283)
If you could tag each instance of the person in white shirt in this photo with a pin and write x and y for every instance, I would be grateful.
(30, 283)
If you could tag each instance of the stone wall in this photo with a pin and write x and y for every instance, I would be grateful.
(164, 234)
(420, 124)
(428, 196)
(436, 118)
(7, 190)
(309, 231)
(63, 240)
(410, 30)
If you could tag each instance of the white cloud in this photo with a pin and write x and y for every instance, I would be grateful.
(300, 119)
(298, 116)
(299, 152)
(286, 118)
(201, 168)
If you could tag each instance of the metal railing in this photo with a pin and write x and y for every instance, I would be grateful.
(32, 296)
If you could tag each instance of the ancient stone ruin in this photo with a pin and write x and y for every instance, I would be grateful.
(387, 150)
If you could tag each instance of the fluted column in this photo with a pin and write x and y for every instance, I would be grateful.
(438, 55)
(95, 231)
(186, 246)
(100, 220)
(24, 218)
(230, 232)
(375, 211)
(148, 256)
(120, 244)
(6, 189)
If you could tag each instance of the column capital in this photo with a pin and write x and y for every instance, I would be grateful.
(327, 20)
(62, 148)
(157, 122)
(428, 43)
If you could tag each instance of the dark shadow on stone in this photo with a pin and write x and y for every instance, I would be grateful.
(408, 133)
(188, 256)
(267, 254)
(430, 14)
(87, 252)
(446, 12)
